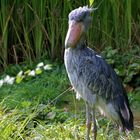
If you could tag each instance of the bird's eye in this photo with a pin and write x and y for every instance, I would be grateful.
(80, 20)
(81, 17)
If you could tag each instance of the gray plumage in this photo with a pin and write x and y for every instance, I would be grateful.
(92, 78)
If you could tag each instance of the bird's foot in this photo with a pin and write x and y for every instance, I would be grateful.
(88, 125)
(87, 138)
(121, 129)
(94, 130)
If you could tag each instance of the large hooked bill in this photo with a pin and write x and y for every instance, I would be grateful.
(74, 34)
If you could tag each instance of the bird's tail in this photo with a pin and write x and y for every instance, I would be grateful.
(125, 113)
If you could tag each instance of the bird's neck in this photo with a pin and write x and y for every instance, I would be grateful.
(81, 44)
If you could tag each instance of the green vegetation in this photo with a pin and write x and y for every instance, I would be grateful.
(31, 30)
(43, 107)
(36, 102)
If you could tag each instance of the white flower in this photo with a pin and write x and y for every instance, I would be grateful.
(1, 83)
(32, 73)
(11, 80)
(41, 64)
(20, 73)
(47, 67)
(7, 78)
(37, 69)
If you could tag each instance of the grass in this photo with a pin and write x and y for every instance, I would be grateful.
(40, 88)
(42, 108)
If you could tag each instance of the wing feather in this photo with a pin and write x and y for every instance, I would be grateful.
(100, 77)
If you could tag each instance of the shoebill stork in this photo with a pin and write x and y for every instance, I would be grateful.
(92, 77)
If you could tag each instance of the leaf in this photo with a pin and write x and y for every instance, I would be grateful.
(38, 71)
(19, 79)
(25, 104)
(91, 2)
(27, 71)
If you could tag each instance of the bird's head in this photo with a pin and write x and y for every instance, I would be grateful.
(79, 21)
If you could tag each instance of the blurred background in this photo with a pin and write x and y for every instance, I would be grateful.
(31, 30)
(33, 99)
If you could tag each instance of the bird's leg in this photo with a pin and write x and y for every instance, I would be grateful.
(94, 129)
(88, 121)
(120, 129)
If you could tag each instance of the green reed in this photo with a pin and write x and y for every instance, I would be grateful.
(31, 30)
